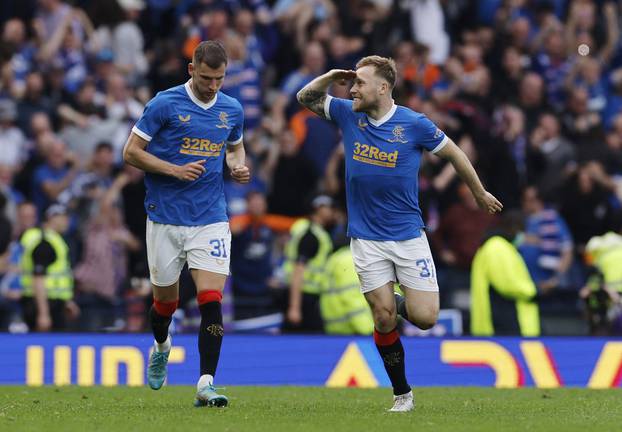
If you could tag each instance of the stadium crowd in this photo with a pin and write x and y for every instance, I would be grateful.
(531, 90)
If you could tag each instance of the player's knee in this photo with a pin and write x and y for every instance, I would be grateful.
(426, 319)
(165, 308)
(385, 319)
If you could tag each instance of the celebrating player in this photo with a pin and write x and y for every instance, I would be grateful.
(180, 141)
(383, 147)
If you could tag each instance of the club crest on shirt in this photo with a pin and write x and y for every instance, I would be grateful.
(183, 119)
(438, 133)
(398, 135)
(362, 123)
(224, 121)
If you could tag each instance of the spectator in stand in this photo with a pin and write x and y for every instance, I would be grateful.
(120, 103)
(22, 53)
(507, 159)
(293, 178)
(243, 79)
(587, 73)
(5, 254)
(135, 218)
(285, 105)
(53, 176)
(547, 247)
(12, 196)
(64, 48)
(128, 43)
(428, 23)
(306, 254)
(102, 270)
(552, 157)
(34, 101)
(553, 65)
(582, 126)
(457, 238)
(6, 232)
(586, 203)
(612, 160)
(503, 295)
(509, 79)
(51, 15)
(10, 284)
(42, 136)
(532, 99)
(253, 262)
(13, 151)
(47, 280)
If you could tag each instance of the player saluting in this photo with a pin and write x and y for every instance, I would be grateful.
(383, 146)
(180, 141)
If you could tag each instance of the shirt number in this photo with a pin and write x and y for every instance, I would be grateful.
(424, 270)
(218, 248)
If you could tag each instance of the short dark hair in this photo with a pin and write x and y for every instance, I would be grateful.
(385, 67)
(212, 53)
(103, 145)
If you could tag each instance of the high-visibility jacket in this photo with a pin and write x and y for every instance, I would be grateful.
(610, 265)
(343, 306)
(502, 292)
(606, 254)
(314, 268)
(58, 275)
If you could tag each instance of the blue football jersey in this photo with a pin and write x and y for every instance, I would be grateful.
(181, 129)
(382, 166)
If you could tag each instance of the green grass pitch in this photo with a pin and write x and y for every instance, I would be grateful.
(300, 409)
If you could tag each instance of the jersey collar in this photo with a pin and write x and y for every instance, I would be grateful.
(196, 99)
(385, 118)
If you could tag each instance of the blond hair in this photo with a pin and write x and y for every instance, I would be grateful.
(384, 67)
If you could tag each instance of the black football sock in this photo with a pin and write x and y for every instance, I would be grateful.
(391, 350)
(210, 336)
(159, 325)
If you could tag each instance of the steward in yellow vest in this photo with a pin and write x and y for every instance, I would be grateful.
(503, 295)
(306, 254)
(603, 289)
(47, 279)
(344, 308)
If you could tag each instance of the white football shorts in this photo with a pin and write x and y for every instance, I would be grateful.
(205, 247)
(408, 262)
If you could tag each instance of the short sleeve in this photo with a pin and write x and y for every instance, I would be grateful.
(429, 136)
(153, 118)
(307, 247)
(42, 256)
(335, 109)
(564, 234)
(531, 226)
(235, 136)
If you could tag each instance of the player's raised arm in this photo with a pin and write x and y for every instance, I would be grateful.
(134, 153)
(313, 95)
(460, 161)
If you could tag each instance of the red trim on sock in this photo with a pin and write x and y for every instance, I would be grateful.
(209, 296)
(166, 309)
(385, 339)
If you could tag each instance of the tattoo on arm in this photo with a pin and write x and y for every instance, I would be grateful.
(314, 100)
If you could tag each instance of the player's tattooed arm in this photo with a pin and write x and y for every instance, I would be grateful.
(312, 99)
(313, 95)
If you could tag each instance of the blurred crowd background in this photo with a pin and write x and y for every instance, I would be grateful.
(531, 90)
